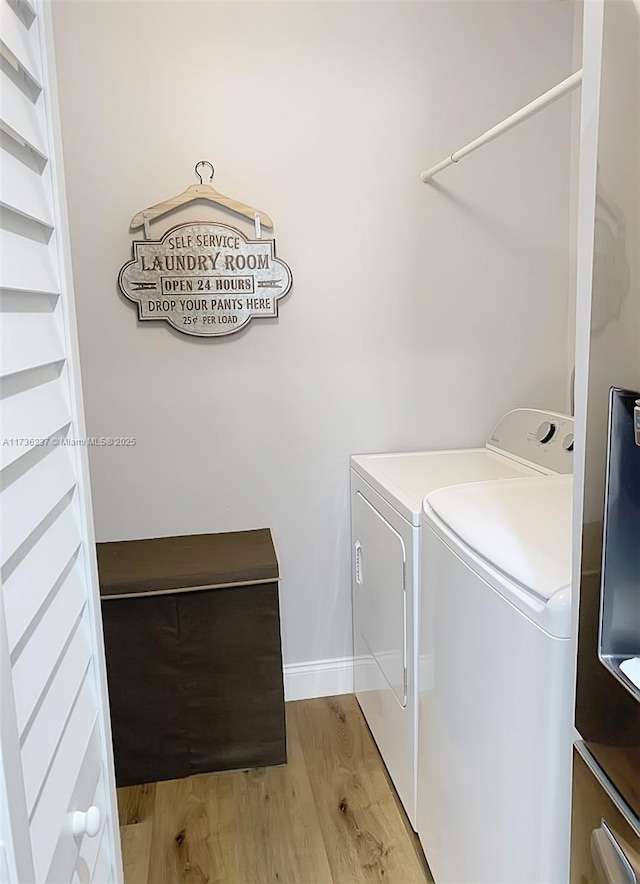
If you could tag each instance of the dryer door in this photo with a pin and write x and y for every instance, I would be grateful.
(380, 598)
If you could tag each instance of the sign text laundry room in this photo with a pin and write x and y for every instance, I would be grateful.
(205, 279)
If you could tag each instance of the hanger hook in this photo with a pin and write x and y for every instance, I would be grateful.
(204, 163)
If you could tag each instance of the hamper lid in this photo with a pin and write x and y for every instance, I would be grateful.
(187, 562)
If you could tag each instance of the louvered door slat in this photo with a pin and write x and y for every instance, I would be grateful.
(102, 874)
(90, 849)
(26, 589)
(34, 414)
(53, 805)
(21, 43)
(21, 118)
(43, 737)
(25, 11)
(27, 265)
(25, 191)
(79, 795)
(29, 340)
(27, 501)
(39, 659)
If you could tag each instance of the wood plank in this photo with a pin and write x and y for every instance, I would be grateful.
(412, 836)
(217, 793)
(136, 851)
(194, 832)
(330, 816)
(277, 817)
(135, 803)
(363, 831)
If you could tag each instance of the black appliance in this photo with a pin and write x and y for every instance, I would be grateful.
(606, 782)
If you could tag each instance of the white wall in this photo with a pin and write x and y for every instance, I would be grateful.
(419, 313)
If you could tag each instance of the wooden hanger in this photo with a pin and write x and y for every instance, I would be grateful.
(199, 192)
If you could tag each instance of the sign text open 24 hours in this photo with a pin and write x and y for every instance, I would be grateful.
(205, 279)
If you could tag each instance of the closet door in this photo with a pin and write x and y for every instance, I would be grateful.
(57, 789)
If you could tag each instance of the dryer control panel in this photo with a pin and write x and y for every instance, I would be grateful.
(541, 438)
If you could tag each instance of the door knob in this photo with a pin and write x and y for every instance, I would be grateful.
(86, 822)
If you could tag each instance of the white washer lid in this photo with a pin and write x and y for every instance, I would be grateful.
(520, 526)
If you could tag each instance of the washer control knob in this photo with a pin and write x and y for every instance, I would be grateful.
(567, 442)
(545, 431)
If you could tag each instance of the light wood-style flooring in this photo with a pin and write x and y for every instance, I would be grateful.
(330, 816)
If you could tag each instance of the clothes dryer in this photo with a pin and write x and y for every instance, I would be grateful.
(386, 512)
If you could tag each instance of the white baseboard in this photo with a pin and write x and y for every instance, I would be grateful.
(318, 678)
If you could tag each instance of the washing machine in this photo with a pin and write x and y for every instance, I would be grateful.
(386, 513)
(495, 732)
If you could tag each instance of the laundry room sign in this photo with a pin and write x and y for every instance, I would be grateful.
(205, 279)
